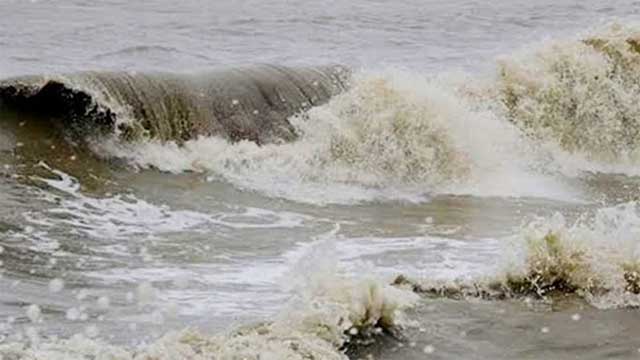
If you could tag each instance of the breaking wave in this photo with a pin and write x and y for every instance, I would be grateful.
(595, 257)
(556, 109)
(392, 135)
(245, 103)
(566, 104)
(326, 135)
(579, 94)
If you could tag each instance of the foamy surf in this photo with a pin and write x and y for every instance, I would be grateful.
(327, 314)
(594, 257)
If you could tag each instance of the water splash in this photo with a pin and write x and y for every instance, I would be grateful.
(595, 257)
(580, 93)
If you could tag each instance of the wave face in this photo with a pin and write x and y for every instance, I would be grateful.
(237, 104)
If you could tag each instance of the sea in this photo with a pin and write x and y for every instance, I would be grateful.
(469, 189)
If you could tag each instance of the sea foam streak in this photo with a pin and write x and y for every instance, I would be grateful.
(124, 216)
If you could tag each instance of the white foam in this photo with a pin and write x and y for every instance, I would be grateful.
(326, 309)
(578, 96)
(598, 254)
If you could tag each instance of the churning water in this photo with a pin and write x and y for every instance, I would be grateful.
(319, 180)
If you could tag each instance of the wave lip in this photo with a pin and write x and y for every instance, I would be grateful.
(251, 103)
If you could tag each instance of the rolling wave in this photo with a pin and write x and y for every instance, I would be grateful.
(237, 104)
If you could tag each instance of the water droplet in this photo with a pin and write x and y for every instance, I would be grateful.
(181, 282)
(146, 293)
(82, 294)
(72, 314)
(32, 334)
(34, 313)
(157, 318)
(103, 302)
(56, 285)
(92, 331)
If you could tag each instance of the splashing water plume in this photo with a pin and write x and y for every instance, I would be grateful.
(580, 94)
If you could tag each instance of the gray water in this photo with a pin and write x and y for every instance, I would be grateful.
(157, 239)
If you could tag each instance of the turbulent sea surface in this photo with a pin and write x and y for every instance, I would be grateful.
(200, 180)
